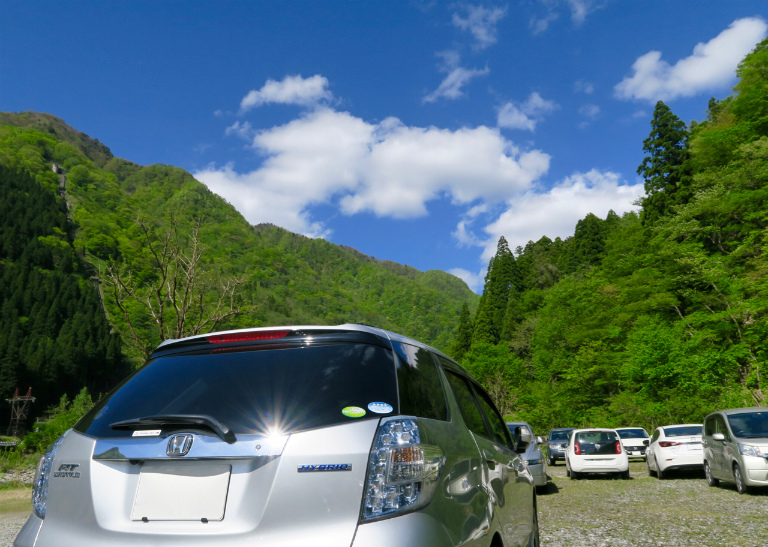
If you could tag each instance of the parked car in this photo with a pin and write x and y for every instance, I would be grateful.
(736, 447)
(595, 451)
(557, 442)
(635, 441)
(288, 436)
(533, 457)
(675, 448)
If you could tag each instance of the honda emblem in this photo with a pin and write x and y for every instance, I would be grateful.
(179, 445)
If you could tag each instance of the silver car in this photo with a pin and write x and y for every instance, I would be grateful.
(289, 436)
(736, 447)
(534, 459)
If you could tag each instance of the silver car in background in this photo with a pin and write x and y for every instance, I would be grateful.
(534, 459)
(736, 447)
(557, 443)
(288, 436)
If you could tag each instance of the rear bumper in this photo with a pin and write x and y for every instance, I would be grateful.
(422, 531)
(692, 461)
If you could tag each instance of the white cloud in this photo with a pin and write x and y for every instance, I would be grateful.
(388, 168)
(589, 111)
(579, 10)
(291, 90)
(711, 66)
(481, 22)
(475, 281)
(242, 130)
(458, 77)
(556, 212)
(525, 115)
(539, 25)
(583, 86)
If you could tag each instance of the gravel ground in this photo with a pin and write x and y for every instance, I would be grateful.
(603, 512)
(681, 511)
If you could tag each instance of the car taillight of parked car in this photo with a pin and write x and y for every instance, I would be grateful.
(402, 471)
(576, 449)
(618, 447)
(667, 444)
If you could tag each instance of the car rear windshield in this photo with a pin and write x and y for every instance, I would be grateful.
(597, 442)
(562, 435)
(256, 391)
(632, 433)
(682, 431)
(749, 424)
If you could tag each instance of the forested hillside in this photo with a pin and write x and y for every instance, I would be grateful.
(54, 336)
(170, 259)
(646, 319)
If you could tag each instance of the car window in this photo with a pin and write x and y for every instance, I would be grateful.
(682, 431)
(499, 427)
(720, 427)
(467, 405)
(418, 381)
(256, 391)
(634, 433)
(749, 424)
(709, 425)
(562, 435)
(597, 442)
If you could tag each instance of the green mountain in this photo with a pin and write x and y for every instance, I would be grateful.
(152, 227)
(645, 319)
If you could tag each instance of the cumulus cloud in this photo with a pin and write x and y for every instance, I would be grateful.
(590, 111)
(481, 23)
(291, 90)
(525, 115)
(241, 129)
(388, 168)
(711, 66)
(458, 77)
(555, 213)
(475, 280)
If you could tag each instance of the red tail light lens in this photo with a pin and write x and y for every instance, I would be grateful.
(247, 336)
(618, 447)
(667, 444)
(576, 449)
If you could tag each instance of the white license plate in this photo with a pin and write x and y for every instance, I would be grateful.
(181, 492)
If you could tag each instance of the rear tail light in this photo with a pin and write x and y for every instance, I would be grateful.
(43, 477)
(618, 447)
(667, 444)
(576, 449)
(402, 471)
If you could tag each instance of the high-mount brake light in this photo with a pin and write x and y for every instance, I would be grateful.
(247, 336)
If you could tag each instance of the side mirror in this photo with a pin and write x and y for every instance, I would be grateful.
(646, 442)
(718, 437)
(540, 440)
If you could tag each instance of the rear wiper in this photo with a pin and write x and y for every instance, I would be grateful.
(210, 422)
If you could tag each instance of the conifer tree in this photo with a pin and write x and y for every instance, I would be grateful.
(667, 168)
(463, 336)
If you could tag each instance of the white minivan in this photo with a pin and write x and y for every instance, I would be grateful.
(736, 447)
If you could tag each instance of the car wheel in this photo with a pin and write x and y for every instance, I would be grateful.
(551, 462)
(625, 475)
(574, 476)
(738, 478)
(712, 481)
(651, 472)
(660, 474)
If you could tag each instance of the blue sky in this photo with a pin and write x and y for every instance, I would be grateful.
(417, 132)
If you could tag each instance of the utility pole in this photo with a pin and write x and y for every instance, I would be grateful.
(19, 411)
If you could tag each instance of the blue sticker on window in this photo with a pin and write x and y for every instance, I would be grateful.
(380, 408)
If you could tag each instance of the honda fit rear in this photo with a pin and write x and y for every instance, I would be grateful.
(287, 436)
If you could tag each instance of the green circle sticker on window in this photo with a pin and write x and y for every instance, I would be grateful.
(353, 411)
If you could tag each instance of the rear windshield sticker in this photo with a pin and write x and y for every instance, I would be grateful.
(353, 411)
(380, 408)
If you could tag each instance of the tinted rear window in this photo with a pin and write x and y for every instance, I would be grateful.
(632, 433)
(560, 435)
(421, 392)
(255, 392)
(682, 431)
(597, 442)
